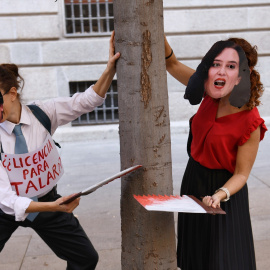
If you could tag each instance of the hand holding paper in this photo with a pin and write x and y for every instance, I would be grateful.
(185, 203)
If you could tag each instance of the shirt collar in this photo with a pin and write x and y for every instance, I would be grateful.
(25, 119)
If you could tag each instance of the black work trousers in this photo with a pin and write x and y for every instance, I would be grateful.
(62, 232)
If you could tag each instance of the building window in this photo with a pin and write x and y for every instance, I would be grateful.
(88, 17)
(105, 114)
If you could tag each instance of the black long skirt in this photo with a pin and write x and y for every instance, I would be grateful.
(214, 242)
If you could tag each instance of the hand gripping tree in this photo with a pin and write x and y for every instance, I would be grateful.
(148, 238)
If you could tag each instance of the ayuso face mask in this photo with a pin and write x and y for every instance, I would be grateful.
(240, 93)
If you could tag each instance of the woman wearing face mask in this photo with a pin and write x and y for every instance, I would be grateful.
(223, 143)
(28, 174)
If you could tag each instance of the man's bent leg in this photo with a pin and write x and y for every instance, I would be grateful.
(7, 227)
(64, 235)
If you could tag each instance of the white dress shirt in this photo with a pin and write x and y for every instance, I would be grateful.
(61, 111)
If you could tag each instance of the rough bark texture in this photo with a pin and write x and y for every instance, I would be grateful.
(148, 238)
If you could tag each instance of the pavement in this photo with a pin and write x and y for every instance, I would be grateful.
(89, 162)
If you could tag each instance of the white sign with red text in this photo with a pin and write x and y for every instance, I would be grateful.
(35, 172)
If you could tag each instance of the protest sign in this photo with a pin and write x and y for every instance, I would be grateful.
(36, 172)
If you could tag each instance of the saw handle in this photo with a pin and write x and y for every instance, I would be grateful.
(71, 199)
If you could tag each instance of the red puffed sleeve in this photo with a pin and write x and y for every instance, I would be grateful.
(254, 124)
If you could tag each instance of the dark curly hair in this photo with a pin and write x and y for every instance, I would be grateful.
(249, 89)
(10, 77)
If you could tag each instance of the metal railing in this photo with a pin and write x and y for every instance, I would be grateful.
(88, 17)
(107, 113)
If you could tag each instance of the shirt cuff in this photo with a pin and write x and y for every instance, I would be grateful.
(94, 95)
(20, 206)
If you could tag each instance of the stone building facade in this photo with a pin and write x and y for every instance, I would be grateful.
(36, 36)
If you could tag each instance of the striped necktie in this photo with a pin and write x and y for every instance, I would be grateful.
(21, 148)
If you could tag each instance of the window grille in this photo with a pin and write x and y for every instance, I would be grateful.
(104, 114)
(88, 17)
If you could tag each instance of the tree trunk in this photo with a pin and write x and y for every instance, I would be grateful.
(148, 238)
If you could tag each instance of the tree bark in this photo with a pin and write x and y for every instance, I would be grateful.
(148, 238)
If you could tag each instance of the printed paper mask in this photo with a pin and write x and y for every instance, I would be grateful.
(240, 94)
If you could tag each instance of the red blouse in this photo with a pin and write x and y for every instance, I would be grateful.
(215, 141)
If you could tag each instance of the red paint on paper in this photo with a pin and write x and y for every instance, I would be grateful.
(154, 199)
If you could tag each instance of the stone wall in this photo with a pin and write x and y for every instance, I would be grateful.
(33, 36)
(193, 26)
